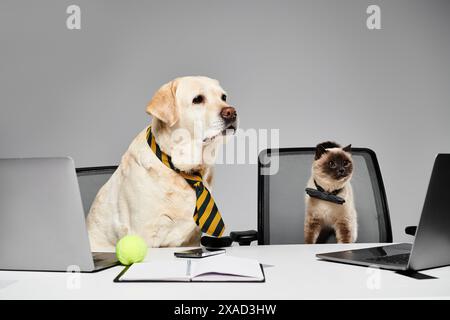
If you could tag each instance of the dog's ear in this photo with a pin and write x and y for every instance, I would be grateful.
(163, 104)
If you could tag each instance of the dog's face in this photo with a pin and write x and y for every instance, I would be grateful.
(196, 107)
(203, 107)
(194, 103)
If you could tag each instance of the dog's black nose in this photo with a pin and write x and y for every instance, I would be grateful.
(228, 114)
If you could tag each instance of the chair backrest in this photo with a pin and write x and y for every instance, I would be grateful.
(281, 196)
(90, 181)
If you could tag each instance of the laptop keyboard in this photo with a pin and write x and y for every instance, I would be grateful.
(394, 259)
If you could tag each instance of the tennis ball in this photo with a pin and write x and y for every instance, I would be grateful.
(131, 249)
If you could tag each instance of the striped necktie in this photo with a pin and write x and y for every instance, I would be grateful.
(206, 215)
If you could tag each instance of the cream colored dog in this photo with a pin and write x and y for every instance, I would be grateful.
(190, 119)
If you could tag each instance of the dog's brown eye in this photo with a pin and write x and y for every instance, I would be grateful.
(224, 97)
(198, 99)
(332, 164)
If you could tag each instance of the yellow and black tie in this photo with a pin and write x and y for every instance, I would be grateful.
(206, 215)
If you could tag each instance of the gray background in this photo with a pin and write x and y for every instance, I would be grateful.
(309, 68)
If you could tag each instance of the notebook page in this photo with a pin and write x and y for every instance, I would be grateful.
(171, 270)
(216, 268)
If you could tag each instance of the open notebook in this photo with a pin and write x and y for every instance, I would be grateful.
(221, 268)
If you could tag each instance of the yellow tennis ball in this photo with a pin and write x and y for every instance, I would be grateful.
(131, 249)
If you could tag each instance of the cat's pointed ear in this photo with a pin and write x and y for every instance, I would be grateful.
(348, 148)
(320, 150)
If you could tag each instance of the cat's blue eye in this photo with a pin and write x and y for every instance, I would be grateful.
(332, 164)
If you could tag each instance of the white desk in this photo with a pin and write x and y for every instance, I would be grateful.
(295, 274)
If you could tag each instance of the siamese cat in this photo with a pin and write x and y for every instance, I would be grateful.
(329, 200)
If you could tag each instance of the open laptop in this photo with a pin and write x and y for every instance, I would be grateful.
(42, 222)
(431, 247)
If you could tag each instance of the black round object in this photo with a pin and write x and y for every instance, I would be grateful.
(212, 242)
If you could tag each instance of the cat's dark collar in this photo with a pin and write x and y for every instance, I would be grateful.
(321, 194)
(334, 192)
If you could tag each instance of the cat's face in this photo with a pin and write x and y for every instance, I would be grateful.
(334, 163)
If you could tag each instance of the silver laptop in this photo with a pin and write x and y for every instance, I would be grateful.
(42, 221)
(431, 247)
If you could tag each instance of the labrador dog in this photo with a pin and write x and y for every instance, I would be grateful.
(190, 119)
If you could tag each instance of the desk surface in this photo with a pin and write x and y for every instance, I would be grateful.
(292, 272)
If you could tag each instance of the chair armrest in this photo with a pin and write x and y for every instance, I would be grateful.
(411, 230)
(244, 237)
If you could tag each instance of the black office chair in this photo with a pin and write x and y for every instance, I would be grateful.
(90, 181)
(281, 196)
